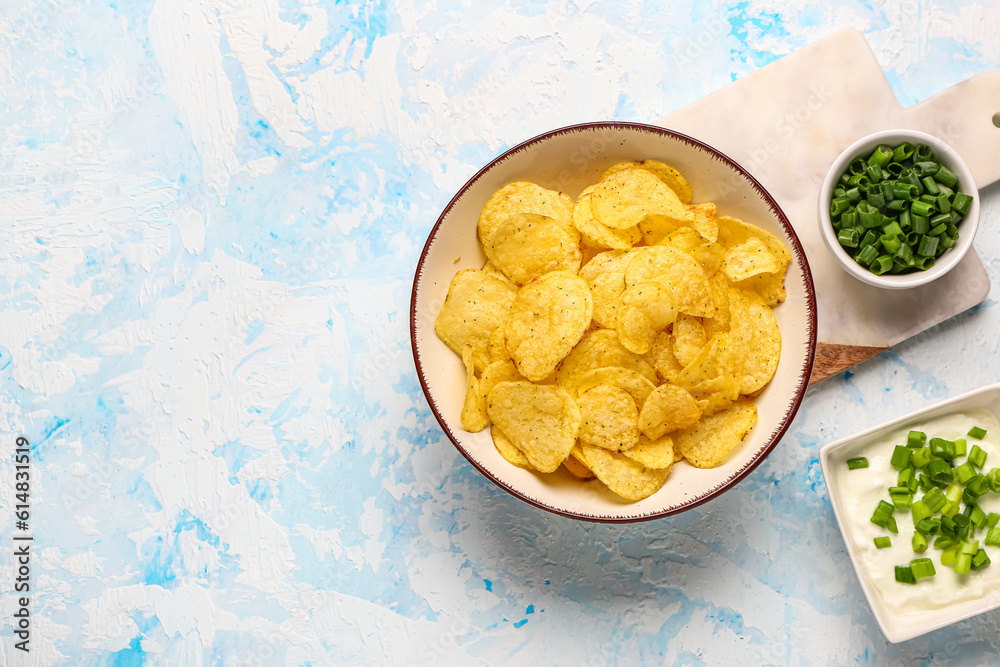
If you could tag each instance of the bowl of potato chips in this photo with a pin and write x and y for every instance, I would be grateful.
(613, 322)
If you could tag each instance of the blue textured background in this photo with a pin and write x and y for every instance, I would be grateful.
(211, 216)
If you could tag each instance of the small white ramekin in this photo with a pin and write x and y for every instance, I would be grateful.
(967, 227)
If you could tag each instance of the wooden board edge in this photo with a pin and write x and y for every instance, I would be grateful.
(833, 358)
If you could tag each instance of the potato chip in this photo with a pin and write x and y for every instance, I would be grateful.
(755, 341)
(638, 386)
(718, 286)
(656, 227)
(709, 442)
(748, 259)
(527, 245)
(605, 274)
(624, 198)
(507, 450)
(705, 220)
(673, 178)
(770, 287)
(677, 271)
(628, 478)
(477, 303)
(716, 394)
(496, 347)
(733, 232)
(541, 421)
(644, 309)
(689, 338)
(494, 374)
(713, 360)
(599, 349)
(662, 358)
(657, 454)
(598, 235)
(683, 238)
(610, 418)
(491, 269)
(710, 256)
(473, 415)
(577, 468)
(666, 410)
(525, 197)
(547, 318)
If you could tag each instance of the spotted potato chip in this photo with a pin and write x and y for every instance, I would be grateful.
(473, 415)
(610, 418)
(541, 420)
(710, 441)
(494, 374)
(657, 454)
(710, 256)
(770, 287)
(547, 318)
(527, 245)
(644, 310)
(598, 235)
(622, 199)
(600, 348)
(605, 274)
(673, 178)
(507, 450)
(733, 232)
(662, 358)
(657, 226)
(525, 197)
(748, 259)
(677, 271)
(683, 238)
(713, 360)
(629, 479)
(577, 468)
(666, 410)
(755, 339)
(496, 347)
(689, 338)
(477, 303)
(718, 286)
(638, 386)
(705, 220)
(716, 394)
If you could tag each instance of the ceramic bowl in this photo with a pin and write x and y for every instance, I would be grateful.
(967, 227)
(569, 159)
(896, 626)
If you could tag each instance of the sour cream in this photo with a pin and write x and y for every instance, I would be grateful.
(861, 491)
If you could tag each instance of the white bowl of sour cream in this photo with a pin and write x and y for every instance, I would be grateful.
(904, 611)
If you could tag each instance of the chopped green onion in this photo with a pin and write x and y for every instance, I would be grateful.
(919, 543)
(977, 457)
(921, 457)
(916, 439)
(883, 542)
(922, 568)
(904, 575)
(993, 537)
(980, 560)
(940, 473)
(858, 462)
(977, 433)
(934, 499)
(964, 472)
(882, 517)
(962, 202)
(901, 457)
(941, 448)
(992, 519)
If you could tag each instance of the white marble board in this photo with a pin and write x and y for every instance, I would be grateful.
(787, 122)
